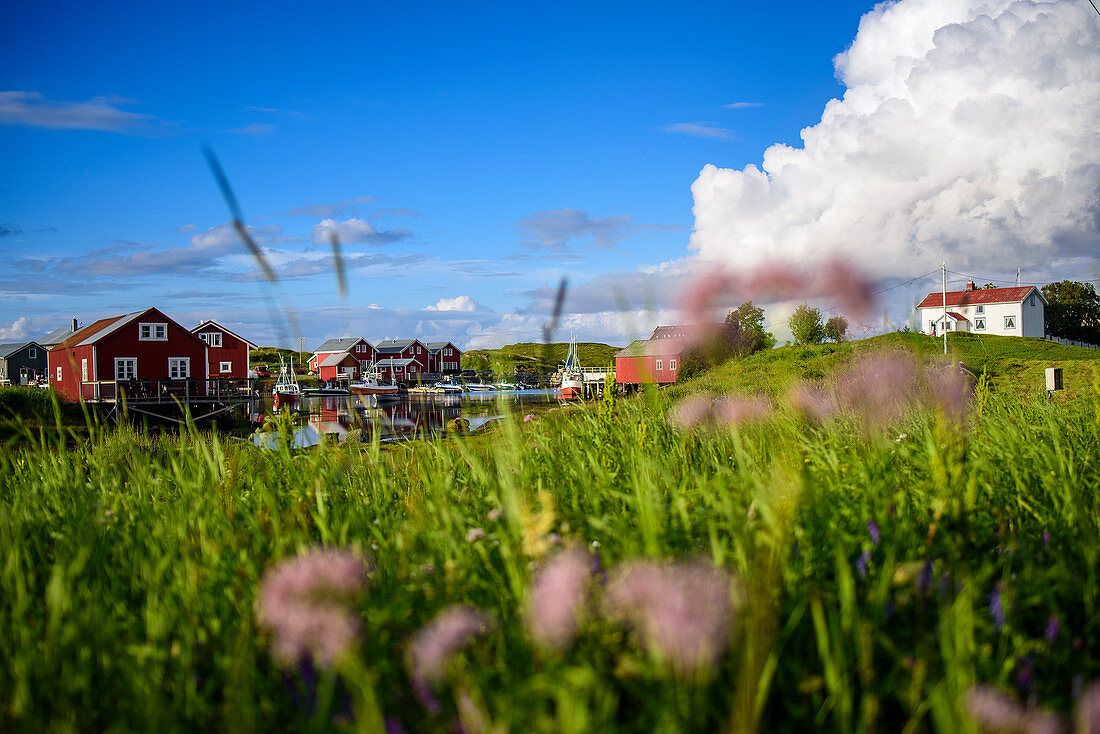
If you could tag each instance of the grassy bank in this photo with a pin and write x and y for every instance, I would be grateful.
(535, 357)
(877, 573)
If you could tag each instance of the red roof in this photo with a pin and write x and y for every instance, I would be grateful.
(954, 314)
(1014, 294)
(88, 331)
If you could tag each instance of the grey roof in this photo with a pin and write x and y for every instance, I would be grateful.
(6, 350)
(394, 362)
(434, 347)
(394, 345)
(652, 348)
(342, 344)
(334, 360)
(56, 336)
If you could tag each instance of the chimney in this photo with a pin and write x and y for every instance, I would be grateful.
(970, 285)
(74, 324)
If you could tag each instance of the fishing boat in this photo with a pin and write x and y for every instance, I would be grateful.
(371, 383)
(479, 387)
(286, 390)
(503, 386)
(336, 388)
(572, 379)
(447, 388)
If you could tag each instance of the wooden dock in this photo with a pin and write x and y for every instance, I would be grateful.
(171, 400)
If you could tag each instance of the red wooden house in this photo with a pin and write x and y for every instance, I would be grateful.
(444, 357)
(144, 345)
(652, 361)
(228, 353)
(402, 359)
(349, 356)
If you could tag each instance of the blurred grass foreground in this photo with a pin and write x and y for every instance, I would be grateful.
(885, 545)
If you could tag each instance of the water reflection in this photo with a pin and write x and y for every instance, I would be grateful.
(417, 416)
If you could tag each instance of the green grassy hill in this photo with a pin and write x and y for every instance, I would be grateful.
(535, 357)
(1014, 364)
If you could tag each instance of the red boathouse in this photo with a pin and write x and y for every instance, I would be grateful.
(228, 353)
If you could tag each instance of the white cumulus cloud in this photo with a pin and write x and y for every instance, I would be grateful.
(968, 133)
(356, 230)
(458, 303)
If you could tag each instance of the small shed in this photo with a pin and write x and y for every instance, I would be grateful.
(22, 362)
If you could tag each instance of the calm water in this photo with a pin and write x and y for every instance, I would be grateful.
(415, 416)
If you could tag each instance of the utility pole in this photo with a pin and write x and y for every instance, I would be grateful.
(944, 266)
(301, 349)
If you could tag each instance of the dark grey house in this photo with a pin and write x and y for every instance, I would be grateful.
(22, 362)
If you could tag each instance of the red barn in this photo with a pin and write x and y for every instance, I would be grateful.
(444, 357)
(144, 345)
(652, 361)
(228, 353)
(402, 359)
(349, 355)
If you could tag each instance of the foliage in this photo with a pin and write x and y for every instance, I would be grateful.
(881, 574)
(1073, 311)
(836, 328)
(805, 324)
(745, 330)
(535, 357)
(270, 356)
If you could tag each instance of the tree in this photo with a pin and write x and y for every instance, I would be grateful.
(1073, 311)
(988, 286)
(745, 332)
(806, 326)
(836, 328)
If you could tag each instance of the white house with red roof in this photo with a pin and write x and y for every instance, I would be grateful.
(1014, 311)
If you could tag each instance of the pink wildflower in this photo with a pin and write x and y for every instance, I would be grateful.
(994, 711)
(737, 409)
(529, 417)
(682, 613)
(495, 514)
(557, 598)
(879, 388)
(1086, 719)
(952, 388)
(691, 412)
(302, 601)
(474, 535)
(447, 634)
(810, 400)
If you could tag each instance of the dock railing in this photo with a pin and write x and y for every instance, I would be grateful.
(166, 391)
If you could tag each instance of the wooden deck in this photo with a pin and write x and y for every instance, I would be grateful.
(171, 399)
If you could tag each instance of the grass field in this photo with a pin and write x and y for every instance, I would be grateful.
(871, 575)
(536, 357)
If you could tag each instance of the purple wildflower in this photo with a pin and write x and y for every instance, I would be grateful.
(1025, 677)
(996, 607)
(682, 613)
(474, 535)
(863, 562)
(924, 581)
(529, 417)
(557, 598)
(879, 388)
(872, 530)
(1053, 626)
(1046, 537)
(448, 633)
(302, 601)
(394, 726)
(951, 388)
(811, 401)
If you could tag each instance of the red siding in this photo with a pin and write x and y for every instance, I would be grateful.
(233, 350)
(638, 370)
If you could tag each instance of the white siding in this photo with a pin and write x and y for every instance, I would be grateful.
(1029, 319)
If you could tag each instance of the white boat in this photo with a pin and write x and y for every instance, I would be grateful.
(370, 383)
(572, 379)
(286, 390)
(446, 387)
(503, 386)
(479, 387)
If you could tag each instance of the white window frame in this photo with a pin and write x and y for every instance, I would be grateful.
(173, 365)
(1010, 322)
(659, 364)
(59, 373)
(672, 364)
(979, 324)
(84, 370)
(132, 362)
(418, 350)
(213, 338)
(981, 309)
(225, 367)
(152, 331)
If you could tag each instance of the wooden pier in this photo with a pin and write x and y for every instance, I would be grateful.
(171, 399)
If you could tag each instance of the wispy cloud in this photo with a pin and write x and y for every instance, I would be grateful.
(699, 130)
(554, 229)
(275, 111)
(741, 105)
(9, 230)
(336, 209)
(33, 109)
(357, 230)
(254, 128)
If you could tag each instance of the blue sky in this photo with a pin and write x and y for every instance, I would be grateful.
(469, 156)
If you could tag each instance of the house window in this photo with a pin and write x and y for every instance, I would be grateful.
(31, 353)
(418, 350)
(59, 374)
(1031, 301)
(660, 364)
(672, 364)
(153, 332)
(981, 309)
(179, 368)
(1010, 322)
(979, 324)
(125, 368)
(84, 370)
(213, 338)
(225, 367)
